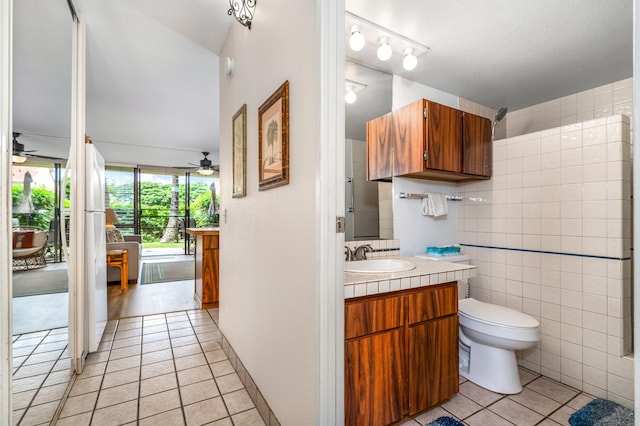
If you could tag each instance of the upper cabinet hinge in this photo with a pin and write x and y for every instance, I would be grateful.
(425, 155)
(340, 225)
(425, 112)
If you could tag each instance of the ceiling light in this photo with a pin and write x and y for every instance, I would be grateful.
(205, 172)
(410, 61)
(356, 41)
(350, 97)
(18, 158)
(243, 11)
(384, 49)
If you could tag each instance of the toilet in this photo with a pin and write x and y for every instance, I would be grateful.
(488, 336)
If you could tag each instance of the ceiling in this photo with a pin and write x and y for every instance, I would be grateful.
(152, 65)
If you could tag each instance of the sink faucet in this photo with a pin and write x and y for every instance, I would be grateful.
(360, 252)
(348, 254)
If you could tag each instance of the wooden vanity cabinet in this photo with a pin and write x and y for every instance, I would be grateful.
(431, 141)
(401, 353)
(207, 266)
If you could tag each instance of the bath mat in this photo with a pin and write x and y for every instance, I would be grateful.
(444, 421)
(163, 272)
(601, 412)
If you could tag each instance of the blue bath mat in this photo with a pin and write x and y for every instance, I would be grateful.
(601, 412)
(444, 421)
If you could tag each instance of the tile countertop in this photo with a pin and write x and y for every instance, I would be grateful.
(427, 272)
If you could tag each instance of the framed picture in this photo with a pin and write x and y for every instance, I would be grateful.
(273, 140)
(239, 123)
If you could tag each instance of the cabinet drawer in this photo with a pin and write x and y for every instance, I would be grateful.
(433, 302)
(372, 315)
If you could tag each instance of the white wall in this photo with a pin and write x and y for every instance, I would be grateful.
(268, 292)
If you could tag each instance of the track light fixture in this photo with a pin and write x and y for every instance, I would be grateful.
(384, 49)
(410, 60)
(356, 41)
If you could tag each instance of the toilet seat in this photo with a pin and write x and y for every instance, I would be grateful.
(498, 321)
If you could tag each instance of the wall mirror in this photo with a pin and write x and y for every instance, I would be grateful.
(368, 208)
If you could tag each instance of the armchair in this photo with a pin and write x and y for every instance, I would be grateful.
(133, 245)
(29, 244)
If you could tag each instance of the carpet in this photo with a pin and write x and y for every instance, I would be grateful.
(162, 272)
(444, 421)
(601, 412)
(41, 281)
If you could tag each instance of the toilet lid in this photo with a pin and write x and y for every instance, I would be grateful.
(495, 314)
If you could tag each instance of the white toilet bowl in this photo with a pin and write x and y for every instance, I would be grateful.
(489, 336)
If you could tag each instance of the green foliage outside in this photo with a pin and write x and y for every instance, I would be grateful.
(43, 203)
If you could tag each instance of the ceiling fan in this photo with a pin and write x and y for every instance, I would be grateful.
(20, 155)
(205, 167)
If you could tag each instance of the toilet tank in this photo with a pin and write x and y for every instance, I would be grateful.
(463, 285)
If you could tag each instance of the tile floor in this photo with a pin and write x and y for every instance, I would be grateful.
(170, 369)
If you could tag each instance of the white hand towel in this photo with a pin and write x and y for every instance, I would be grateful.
(424, 207)
(438, 205)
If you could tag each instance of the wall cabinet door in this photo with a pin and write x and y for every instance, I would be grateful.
(379, 148)
(444, 138)
(374, 391)
(433, 362)
(476, 145)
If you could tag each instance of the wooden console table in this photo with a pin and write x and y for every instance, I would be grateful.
(207, 261)
(120, 259)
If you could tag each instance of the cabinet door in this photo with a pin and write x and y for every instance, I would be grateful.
(444, 138)
(374, 379)
(433, 362)
(476, 144)
(210, 270)
(379, 148)
(409, 139)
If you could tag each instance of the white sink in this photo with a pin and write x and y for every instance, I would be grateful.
(378, 266)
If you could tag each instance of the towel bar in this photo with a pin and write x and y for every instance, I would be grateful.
(421, 196)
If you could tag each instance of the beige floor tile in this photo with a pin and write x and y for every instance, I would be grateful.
(248, 418)
(181, 332)
(116, 414)
(562, 415)
(553, 389)
(36, 358)
(96, 357)
(158, 384)
(535, 401)
(154, 329)
(50, 394)
(580, 401)
(155, 337)
(129, 326)
(486, 418)
(159, 403)
(157, 356)
(190, 361)
(117, 395)
(125, 334)
(96, 369)
(90, 384)
(177, 325)
(121, 377)
(205, 328)
(221, 368)
(182, 341)
(410, 422)
(208, 337)
(62, 364)
(157, 369)
(223, 422)
(479, 394)
(198, 392)
(123, 364)
(83, 419)
(194, 375)
(125, 352)
(461, 406)
(58, 377)
(16, 416)
(527, 376)
(79, 404)
(215, 356)
(212, 345)
(229, 383)
(34, 369)
(205, 411)
(187, 350)
(515, 413)
(123, 343)
(156, 345)
(548, 422)
(27, 383)
(23, 399)
(38, 414)
(431, 415)
(238, 401)
(169, 418)
(52, 346)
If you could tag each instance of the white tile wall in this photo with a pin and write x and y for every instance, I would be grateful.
(564, 193)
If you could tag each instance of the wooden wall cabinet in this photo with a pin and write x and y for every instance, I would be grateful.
(431, 141)
(401, 353)
(207, 263)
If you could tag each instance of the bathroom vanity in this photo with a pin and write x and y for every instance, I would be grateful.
(401, 341)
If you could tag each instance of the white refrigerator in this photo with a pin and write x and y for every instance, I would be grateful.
(95, 255)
